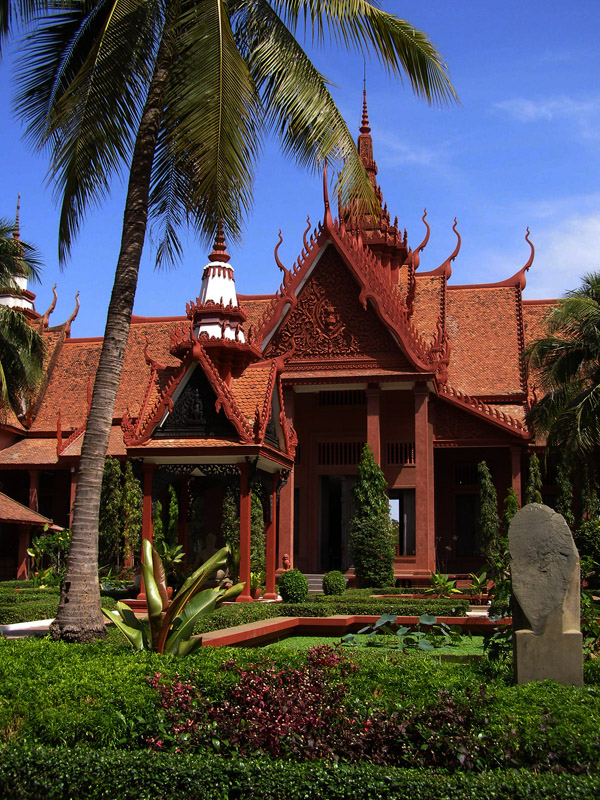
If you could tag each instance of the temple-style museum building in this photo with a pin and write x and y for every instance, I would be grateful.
(277, 395)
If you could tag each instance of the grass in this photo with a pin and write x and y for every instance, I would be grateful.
(467, 647)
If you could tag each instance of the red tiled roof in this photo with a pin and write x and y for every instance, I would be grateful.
(29, 452)
(428, 303)
(11, 511)
(116, 446)
(534, 315)
(483, 328)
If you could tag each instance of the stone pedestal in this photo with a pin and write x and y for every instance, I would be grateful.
(546, 613)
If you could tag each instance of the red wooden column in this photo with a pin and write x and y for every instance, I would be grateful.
(73, 491)
(147, 532)
(148, 473)
(286, 501)
(270, 593)
(23, 544)
(373, 414)
(424, 488)
(515, 461)
(34, 485)
(245, 507)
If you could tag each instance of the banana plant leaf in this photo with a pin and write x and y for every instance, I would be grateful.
(188, 590)
(153, 596)
(136, 636)
(200, 605)
(189, 646)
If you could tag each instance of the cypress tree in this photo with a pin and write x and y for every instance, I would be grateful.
(564, 499)
(511, 506)
(131, 513)
(533, 490)
(258, 539)
(158, 535)
(173, 523)
(109, 523)
(488, 522)
(371, 534)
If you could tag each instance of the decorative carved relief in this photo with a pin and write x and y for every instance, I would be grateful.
(329, 321)
(195, 414)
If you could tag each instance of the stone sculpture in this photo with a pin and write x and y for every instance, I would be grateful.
(546, 611)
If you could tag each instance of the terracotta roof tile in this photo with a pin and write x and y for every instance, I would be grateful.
(30, 452)
(534, 314)
(116, 446)
(11, 511)
(428, 304)
(482, 325)
(250, 389)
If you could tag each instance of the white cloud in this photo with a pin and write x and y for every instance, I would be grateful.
(584, 113)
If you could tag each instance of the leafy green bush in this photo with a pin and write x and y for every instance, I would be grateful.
(29, 773)
(293, 586)
(32, 603)
(373, 550)
(334, 583)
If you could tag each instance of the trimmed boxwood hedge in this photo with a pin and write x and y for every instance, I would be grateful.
(61, 774)
(25, 604)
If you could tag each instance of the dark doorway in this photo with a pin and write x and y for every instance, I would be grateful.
(402, 515)
(336, 508)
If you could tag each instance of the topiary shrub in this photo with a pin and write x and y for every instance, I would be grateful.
(372, 548)
(293, 586)
(334, 583)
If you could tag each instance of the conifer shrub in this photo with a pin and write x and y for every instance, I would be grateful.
(293, 586)
(334, 583)
(564, 499)
(131, 513)
(533, 488)
(109, 521)
(371, 533)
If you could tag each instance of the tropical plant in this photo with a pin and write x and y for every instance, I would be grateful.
(21, 347)
(158, 535)
(169, 626)
(565, 364)
(183, 93)
(479, 584)
(441, 585)
(428, 634)
(171, 555)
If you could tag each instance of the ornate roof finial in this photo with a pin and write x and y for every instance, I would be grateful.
(17, 229)
(219, 252)
(71, 319)
(532, 254)
(365, 127)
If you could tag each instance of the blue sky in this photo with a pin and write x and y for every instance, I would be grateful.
(522, 149)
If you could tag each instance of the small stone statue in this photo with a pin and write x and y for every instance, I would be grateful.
(545, 581)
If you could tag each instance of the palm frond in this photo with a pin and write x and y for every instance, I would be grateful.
(83, 78)
(360, 24)
(16, 257)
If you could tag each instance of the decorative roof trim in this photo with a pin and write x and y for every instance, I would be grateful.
(445, 268)
(484, 411)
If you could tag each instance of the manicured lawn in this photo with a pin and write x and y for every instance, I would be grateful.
(468, 646)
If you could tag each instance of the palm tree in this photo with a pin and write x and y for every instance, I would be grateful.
(21, 347)
(566, 365)
(183, 93)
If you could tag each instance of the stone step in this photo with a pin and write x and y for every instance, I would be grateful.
(315, 583)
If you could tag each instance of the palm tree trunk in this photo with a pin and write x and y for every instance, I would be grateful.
(79, 616)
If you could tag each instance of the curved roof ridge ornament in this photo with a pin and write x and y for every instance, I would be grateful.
(304, 240)
(152, 362)
(416, 258)
(283, 268)
(73, 316)
(445, 268)
(328, 221)
(45, 318)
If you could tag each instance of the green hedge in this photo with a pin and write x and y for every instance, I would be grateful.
(241, 613)
(60, 774)
(32, 603)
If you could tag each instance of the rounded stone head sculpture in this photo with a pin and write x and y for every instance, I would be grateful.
(544, 565)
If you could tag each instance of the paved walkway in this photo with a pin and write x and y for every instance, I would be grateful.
(18, 630)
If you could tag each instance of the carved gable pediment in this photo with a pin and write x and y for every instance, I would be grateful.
(329, 322)
(194, 412)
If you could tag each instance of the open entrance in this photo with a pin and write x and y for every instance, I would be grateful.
(402, 515)
(336, 509)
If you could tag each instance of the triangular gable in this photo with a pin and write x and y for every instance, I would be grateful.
(195, 411)
(202, 402)
(328, 320)
(374, 291)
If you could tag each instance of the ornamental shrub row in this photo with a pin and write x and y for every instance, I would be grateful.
(60, 774)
